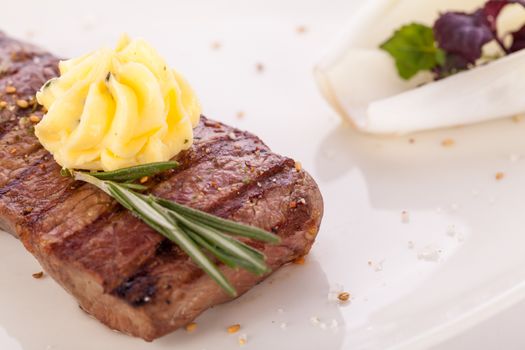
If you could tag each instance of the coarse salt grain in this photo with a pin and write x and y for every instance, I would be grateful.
(429, 253)
(283, 325)
(281, 311)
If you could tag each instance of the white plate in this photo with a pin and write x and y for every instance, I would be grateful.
(399, 301)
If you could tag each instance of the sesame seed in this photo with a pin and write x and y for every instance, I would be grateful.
(240, 115)
(216, 45)
(301, 29)
(10, 89)
(34, 118)
(143, 179)
(298, 166)
(259, 67)
(343, 296)
(22, 103)
(499, 176)
(3, 104)
(233, 328)
(190, 327)
(299, 260)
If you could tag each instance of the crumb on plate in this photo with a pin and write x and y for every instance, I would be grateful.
(190, 327)
(38, 275)
(448, 142)
(234, 328)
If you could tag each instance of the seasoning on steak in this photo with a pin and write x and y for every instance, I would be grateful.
(120, 271)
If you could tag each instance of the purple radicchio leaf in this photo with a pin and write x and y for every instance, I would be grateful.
(493, 8)
(463, 34)
(518, 40)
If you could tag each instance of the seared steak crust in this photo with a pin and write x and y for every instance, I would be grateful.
(118, 269)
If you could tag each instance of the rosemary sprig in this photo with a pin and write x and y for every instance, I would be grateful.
(194, 231)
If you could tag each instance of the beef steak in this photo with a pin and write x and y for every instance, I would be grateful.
(120, 271)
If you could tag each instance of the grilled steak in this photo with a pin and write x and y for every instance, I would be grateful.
(120, 271)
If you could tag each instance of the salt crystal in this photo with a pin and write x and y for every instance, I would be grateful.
(404, 217)
(410, 245)
(334, 324)
(379, 266)
(451, 230)
(315, 320)
(429, 253)
(283, 325)
(322, 325)
(279, 310)
(243, 338)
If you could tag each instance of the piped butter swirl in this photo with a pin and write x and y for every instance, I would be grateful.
(111, 109)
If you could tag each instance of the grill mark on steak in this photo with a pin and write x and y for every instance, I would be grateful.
(120, 271)
(88, 239)
(146, 292)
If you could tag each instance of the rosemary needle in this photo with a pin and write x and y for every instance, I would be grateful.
(192, 230)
